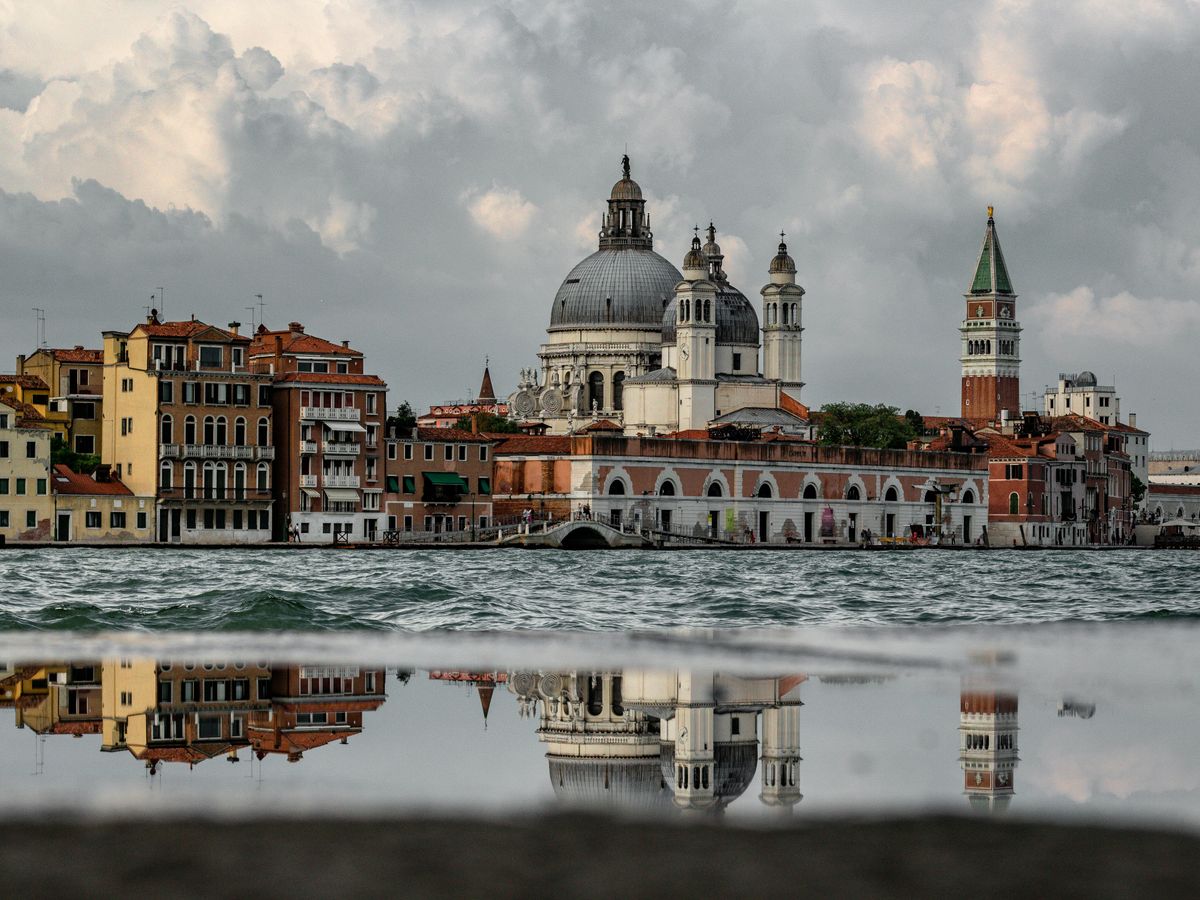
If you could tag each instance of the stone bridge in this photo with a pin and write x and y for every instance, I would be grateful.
(579, 534)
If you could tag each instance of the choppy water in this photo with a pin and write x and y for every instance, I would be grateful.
(250, 590)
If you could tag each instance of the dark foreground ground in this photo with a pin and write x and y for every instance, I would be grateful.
(589, 857)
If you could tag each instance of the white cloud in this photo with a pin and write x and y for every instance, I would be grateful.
(1121, 319)
(501, 211)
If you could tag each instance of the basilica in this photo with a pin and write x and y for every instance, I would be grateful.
(637, 342)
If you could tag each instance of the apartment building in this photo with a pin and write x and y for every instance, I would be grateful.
(329, 418)
(25, 501)
(186, 421)
(96, 507)
(438, 480)
(73, 379)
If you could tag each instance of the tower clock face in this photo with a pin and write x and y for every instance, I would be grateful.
(683, 351)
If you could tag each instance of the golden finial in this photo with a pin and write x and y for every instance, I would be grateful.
(990, 211)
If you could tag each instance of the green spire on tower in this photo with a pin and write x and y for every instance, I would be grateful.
(991, 274)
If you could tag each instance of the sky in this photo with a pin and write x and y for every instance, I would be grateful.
(418, 177)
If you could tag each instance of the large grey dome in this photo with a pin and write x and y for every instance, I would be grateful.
(625, 288)
(737, 322)
(733, 770)
(612, 783)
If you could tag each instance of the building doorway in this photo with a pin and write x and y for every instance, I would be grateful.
(63, 531)
(889, 526)
(614, 518)
(852, 528)
(664, 519)
(764, 532)
(966, 529)
(809, 519)
(713, 528)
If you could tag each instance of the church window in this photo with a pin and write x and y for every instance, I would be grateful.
(618, 398)
(707, 310)
(795, 315)
(596, 391)
(737, 361)
(785, 314)
(595, 696)
(1014, 503)
(704, 776)
(714, 489)
(618, 707)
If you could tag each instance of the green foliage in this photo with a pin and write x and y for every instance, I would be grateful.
(489, 422)
(62, 454)
(864, 425)
(915, 419)
(1137, 489)
(404, 420)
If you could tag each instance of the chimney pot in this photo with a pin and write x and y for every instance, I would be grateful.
(296, 327)
(79, 346)
(234, 326)
(346, 344)
(1133, 420)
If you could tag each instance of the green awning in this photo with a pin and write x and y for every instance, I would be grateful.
(485, 485)
(446, 479)
(393, 484)
(410, 484)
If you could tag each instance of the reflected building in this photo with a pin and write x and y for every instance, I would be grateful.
(484, 684)
(67, 700)
(987, 728)
(311, 706)
(647, 739)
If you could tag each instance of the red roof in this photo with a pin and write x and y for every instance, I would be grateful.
(67, 482)
(601, 425)
(790, 404)
(532, 444)
(1001, 447)
(328, 378)
(296, 342)
(33, 382)
(188, 329)
(77, 355)
(1189, 489)
(452, 434)
(89, 727)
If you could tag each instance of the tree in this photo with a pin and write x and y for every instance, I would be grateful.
(489, 422)
(403, 421)
(915, 419)
(864, 425)
(1137, 489)
(62, 454)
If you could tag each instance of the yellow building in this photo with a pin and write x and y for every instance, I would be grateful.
(98, 507)
(68, 704)
(185, 422)
(73, 390)
(25, 502)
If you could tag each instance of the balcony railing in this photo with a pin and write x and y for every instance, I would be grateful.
(264, 452)
(308, 446)
(168, 451)
(216, 451)
(341, 481)
(331, 414)
(308, 481)
(335, 448)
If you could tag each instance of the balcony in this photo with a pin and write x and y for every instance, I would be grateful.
(264, 452)
(168, 451)
(217, 451)
(308, 481)
(341, 481)
(333, 448)
(331, 414)
(308, 446)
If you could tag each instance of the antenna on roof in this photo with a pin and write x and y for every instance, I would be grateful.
(41, 326)
(158, 298)
(260, 304)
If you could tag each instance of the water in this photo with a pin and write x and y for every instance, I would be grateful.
(249, 590)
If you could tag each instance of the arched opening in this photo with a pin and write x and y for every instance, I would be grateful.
(618, 706)
(584, 538)
(189, 430)
(707, 310)
(853, 493)
(764, 490)
(166, 475)
(595, 695)
(891, 496)
(210, 430)
(264, 433)
(666, 489)
(596, 391)
(239, 481)
(222, 430)
(189, 480)
(239, 432)
(166, 430)
(714, 490)
(616, 488)
(810, 492)
(1014, 503)
(968, 496)
(618, 390)
(263, 482)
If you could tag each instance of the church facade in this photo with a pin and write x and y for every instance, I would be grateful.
(636, 341)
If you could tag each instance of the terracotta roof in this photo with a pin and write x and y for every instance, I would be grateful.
(90, 727)
(1076, 423)
(1001, 447)
(1189, 489)
(688, 434)
(193, 753)
(512, 444)
(77, 355)
(601, 425)
(32, 382)
(296, 342)
(327, 378)
(486, 391)
(67, 482)
(1125, 427)
(452, 434)
(188, 329)
(790, 404)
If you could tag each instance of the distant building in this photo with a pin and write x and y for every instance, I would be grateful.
(328, 417)
(98, 507)
(1173, 501)
(75, 380)
(187, 421)
(448, 415)
(26, 506)
(1174, 467)
(439, 480)
(1081, 395)
(991, 338)
(987, 734)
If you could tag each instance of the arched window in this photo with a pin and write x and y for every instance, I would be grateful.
(617, 487)
(666, 489)
(618, 390)
(210, 430)
(852, 493)
(795, 314)
(239, 481)
(166, 475)
(189, 479)
(596, 391)
(764, 490)
(210, 480)
(189, 430)
(968, 496)
(221, 473)
(262, 483)
(810, 492)
(222, 430)
(595, 695)
(1014, 504)
(166, 430)
(714, 490)
(239, 431)
(264, 432)
(891, 496)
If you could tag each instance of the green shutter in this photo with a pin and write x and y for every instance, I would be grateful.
(485, 485)
(410, 484)
(393, 484)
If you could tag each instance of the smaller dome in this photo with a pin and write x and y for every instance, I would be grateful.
(1086, 379)
(711, 247)
(782, 262)
(695, 258)
(626, 189)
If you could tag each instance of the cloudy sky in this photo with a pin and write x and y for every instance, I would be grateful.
(419, 177)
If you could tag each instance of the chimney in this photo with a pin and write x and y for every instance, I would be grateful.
(79, 346)
(475, 423)
(295, 328)
(103, 473)
(346, 344)
(234, 326)
(1133, 420)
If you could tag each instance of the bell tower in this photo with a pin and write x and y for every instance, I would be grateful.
(991, 338)
(696, 340)
(987, 728)
(781, 323)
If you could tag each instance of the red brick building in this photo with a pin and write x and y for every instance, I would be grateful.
(329, 420)
(439, 481)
